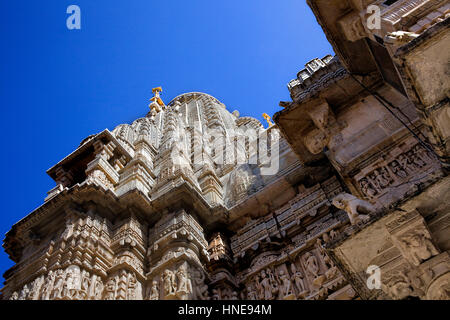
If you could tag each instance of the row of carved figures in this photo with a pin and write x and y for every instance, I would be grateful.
(403, 166)
(73, 283)
(277, 283)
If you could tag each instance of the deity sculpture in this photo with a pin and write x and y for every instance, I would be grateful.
(110, 289)
(415, 159)
(311, 264)
(266, 285)
(286, 286)
(405, 163)
(422, 153)
(215, 294)
(85, 282)
(398, 286)
(58, 286)
(367, 188)
(199, 285)
(251, 293)
(24, 293)
(14, 296)
(98, 288)
(154, 291)
(381, 178)
(297, 277)
(132, 285)
(169, 283)
(184, 283)
(398, 170)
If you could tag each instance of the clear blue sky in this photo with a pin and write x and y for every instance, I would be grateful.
(59, 86)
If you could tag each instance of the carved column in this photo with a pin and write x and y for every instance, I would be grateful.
(176, 257)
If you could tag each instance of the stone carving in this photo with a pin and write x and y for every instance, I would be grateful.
(398, 169)
(154, 291)
(399, 38)
(440, 288)
(367, 188)
(14, 296)
(331, 268)
(298, 279)
(201, 289)
(58, 286)
(412, 237)
(184, 285)
(110, 289)
(417, 246)
(312, 267)
(85, 283)
(354, 207)
(24, 293)
(98, 288)
(215, 294)
(132, 286)
(169, 283)
(315, 141)
(266, 286)
(286, 286)
(398, 286)
(251, 293)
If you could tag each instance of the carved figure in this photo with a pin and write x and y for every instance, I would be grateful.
(398, 286)
(169, 283)
(381, 179)
(132, 285)
(98, 287)
(184, 283)
(399, 38)
(24, 293)
(297, 277)
(405, 163)
(418, 247)
(59, 282)
(415, 159)
(367, 188)
(353, 206)
(110, 289)
(14, 296)
(199, 285)
(311, 264)
(266, 286)
(154, 291)
(251, 293)
(286, 287)
(215, 294)
(398, 170)
(85, 282)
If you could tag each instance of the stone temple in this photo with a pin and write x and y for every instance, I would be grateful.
(345, 196)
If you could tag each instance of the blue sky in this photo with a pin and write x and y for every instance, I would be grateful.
(59, 86)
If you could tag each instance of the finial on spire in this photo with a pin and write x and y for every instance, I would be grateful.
(157, 102)
(267, 117)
